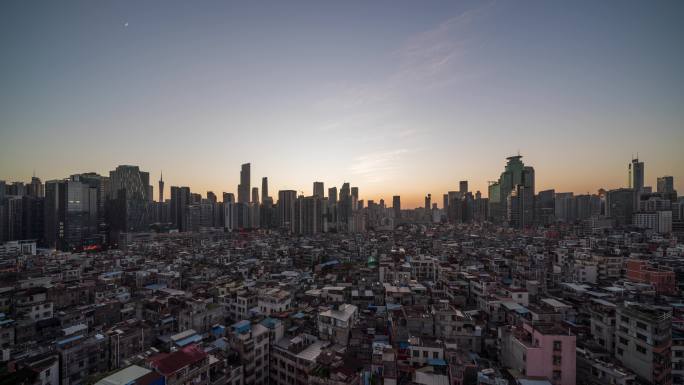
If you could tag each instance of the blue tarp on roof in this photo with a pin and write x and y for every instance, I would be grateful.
(189, 340)
(436, 362)
(243, 326)
(299, 315)
(218, 330)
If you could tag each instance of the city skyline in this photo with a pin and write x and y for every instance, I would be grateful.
(408, 201)
(396, 104)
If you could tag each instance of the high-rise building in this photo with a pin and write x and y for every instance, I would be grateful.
(310, 215)
(130, 185)
(520, 207)
(665, 185)
(244, 187)
(545, 207)
(495, 205)
(481, 211)
(565, 207)
(332, 195)
(318, 189)
(344, 207)
(636, 175)
(230, 216)
(620, 206)
(36, 189)
(396, 206)
(55, 202)
(445, 202)
(161, 187)
(70, 212)
(180, 199)
(264, 188)
(286, 209)
(463, 187)
(267, 214)
(514, 174)
(355, 193)
(255, 195)
(428, 200)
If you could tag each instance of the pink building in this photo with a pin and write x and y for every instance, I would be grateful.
(540, 350)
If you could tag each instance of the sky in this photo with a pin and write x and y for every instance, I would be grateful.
(397, 98)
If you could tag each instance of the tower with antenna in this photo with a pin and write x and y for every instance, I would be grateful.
(161, 187)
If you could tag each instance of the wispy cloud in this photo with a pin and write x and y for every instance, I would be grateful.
(431, 59)
(378, 166)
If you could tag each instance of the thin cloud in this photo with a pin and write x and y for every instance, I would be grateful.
(378, 166)
(427, 60)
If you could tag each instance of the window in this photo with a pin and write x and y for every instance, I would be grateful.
(620, 351)
(416, 353)
(435, 354)
(641, 349)
(556, 360)
(556, 345)
(425, 354)
(624, 319)
(641, 325)
(624, 341)
(557, 374)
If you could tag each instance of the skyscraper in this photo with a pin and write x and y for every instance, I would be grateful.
(515, 173)
(636, 175)
(428, 200)
(255, 195)
(180, 199)
(318, 189)
(230, 218)
(131, 185)
(244, 187)
(309, 217)
(665, 184)
(264, 189)
(344, 210)
(161, 187)
(355, 193)
(36, 189)
(332, 195)
(286, 209)
(396, 206)
(463, 187)
(620, 206)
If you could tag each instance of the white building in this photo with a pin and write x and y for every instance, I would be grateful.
(336, 324)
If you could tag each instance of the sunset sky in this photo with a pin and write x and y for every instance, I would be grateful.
(394, 97)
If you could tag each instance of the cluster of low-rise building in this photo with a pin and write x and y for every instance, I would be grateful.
(421, 304)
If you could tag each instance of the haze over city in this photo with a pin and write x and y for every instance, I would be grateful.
(394, 97)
